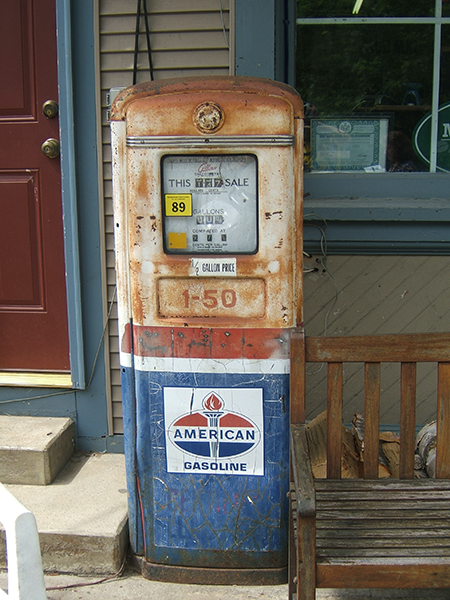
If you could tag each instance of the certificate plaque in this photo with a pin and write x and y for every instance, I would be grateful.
(348, 144)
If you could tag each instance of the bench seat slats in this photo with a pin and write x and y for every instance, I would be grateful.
(407, 574)
(378, 514)
(362, 553)
(377, 525)
(397, 563)
(359, 494)
(391, 485)
(393, 545)
(360, 499)
(387, 548)
(386, 505)
(344, 535)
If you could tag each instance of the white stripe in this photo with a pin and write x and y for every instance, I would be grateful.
(207, 365)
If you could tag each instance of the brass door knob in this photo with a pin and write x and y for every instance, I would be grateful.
(50, 109)
(50, 148)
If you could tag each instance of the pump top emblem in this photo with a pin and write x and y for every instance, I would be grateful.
(208, 117)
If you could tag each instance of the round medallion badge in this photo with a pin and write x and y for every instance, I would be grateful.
(208, 117)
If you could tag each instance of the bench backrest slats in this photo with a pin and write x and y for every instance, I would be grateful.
(443, 423)
(371, 419)
(407, 419)
(406, 349)
(334, 415)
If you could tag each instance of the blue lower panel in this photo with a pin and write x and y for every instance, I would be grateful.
(199, 518)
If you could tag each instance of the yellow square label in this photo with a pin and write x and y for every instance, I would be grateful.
(177, 240)
(178, 205)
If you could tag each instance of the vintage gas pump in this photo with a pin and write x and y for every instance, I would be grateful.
(207, 179)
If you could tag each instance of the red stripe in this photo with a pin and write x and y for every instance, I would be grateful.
(193, 420)
(232, 420)
(192, 342)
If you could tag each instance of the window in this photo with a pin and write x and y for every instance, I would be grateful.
(375, 79)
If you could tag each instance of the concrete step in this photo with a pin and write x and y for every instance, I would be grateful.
(81, 517)
(33, 450)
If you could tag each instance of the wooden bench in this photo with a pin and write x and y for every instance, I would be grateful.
(369, 532)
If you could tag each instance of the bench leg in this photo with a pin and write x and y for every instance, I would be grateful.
(306, 558)
(292, 555)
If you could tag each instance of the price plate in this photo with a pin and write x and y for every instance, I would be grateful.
(243, 298)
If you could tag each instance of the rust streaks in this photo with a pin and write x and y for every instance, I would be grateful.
(269, 215)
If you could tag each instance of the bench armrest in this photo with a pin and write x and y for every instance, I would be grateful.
(301, 469)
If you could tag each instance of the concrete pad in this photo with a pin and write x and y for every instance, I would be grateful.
(82, 517)
(33, 450)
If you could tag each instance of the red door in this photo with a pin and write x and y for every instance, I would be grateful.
(33, 308)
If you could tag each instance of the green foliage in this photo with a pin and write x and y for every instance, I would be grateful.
(343, 67)
(369, 8)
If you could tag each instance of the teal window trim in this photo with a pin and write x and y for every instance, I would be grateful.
(255, 38)
(69, 192)
(396, 213)
(265, 39)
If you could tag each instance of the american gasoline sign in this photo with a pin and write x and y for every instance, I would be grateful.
(216, 431)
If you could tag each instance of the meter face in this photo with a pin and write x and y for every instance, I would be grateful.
(210, 203)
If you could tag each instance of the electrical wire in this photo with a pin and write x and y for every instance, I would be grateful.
(86, 583)
(141, 511)
(323, 262)
(136, 40)
(223, 25)
(108, 316)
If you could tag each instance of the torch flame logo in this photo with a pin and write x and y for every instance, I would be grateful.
(213, 403)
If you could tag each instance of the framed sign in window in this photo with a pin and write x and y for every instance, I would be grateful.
(349, 144)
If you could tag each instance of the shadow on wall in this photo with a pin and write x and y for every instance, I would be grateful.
(364, 295)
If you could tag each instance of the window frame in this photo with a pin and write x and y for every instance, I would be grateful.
(437, 21)
(391, 213)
